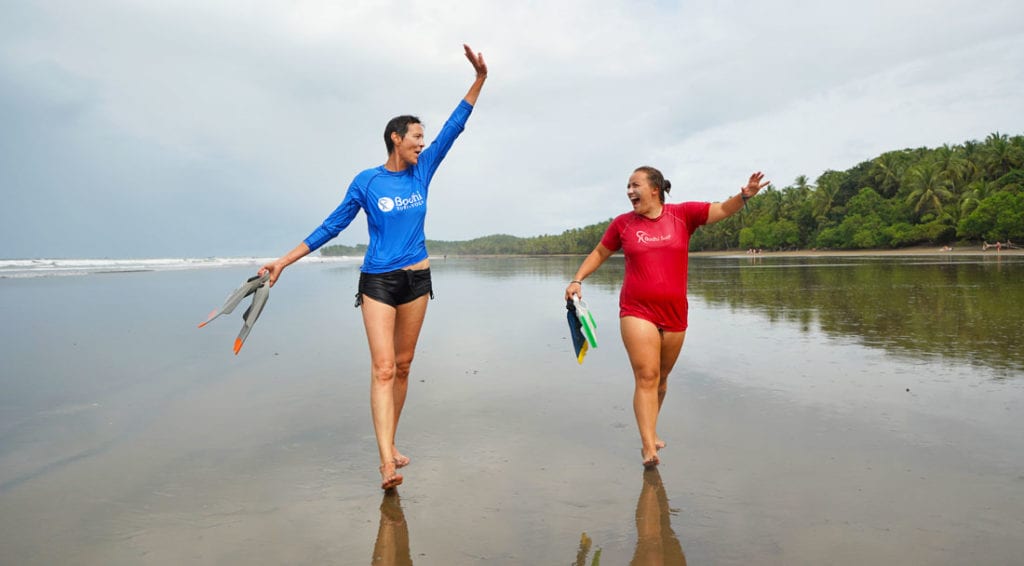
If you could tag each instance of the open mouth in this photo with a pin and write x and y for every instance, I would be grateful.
(634, 199)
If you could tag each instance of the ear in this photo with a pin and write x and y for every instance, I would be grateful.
(395, 138)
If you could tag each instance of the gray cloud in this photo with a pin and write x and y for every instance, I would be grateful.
(199, 129)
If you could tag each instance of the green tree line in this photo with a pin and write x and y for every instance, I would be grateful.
(574, 241)
(969, 192)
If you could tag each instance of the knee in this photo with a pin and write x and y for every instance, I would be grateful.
(384, 372)
(647, 379)
(402, 367)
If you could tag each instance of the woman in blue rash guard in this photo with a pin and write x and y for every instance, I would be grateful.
(394, 283)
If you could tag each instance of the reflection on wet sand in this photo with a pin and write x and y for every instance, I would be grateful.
(392, 546)
(581, 554)
(656, 543)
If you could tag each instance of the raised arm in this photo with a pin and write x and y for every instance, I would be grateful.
(728, 207)
(477, 60)
(589, 265)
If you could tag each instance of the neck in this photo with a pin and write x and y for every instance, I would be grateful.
(395, 163)
(654, 211)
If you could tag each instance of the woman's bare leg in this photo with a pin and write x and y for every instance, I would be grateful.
(671, 345)
(408, 323)
(652, 354)
(643, 344)
(379, 321)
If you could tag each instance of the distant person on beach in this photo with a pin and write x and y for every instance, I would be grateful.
(654, 238)
(394, 283)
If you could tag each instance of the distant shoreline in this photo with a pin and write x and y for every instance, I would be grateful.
(914, 251)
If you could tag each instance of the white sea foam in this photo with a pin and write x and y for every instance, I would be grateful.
(22, 268)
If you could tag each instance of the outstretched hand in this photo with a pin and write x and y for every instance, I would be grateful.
(755, 184)
(477, 60)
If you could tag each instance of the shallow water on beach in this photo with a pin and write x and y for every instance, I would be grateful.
(824, 410)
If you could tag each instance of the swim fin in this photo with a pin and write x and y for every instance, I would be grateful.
(579, 341)
(259, 300)
(581, 327)
(586, 320)
(255, 285)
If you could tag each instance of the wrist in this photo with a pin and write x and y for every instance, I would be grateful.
(576, 281)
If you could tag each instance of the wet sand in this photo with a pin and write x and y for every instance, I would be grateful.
(144, 441)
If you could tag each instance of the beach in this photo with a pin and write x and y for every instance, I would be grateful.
(129, 436)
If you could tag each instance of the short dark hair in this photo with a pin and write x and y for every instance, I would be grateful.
(655, 178)
(400, 126)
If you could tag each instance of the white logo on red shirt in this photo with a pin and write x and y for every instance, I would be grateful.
(645, 238)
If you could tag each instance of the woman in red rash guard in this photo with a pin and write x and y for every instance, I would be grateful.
(654, 238)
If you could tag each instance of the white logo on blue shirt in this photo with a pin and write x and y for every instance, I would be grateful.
(385, 204)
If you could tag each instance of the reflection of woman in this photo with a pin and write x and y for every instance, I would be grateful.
(392, 546)
(656, 543)
(654, 238)
(395, 277)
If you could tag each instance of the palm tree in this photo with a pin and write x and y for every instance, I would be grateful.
(1000, 155)
(824, 197)
(953, 165)
(929, 187)
(975, 192)
(802, 186)
(887, 170)
(971, 152)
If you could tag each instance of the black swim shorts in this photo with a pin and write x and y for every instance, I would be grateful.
(395, 287)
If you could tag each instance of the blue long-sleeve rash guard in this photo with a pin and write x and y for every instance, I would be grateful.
(395, 204)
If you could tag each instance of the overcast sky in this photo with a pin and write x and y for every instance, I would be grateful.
(228, 128)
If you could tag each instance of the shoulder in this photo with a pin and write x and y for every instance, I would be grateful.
(624, 219)
(364, 176)
(692, 213)
(688, 208)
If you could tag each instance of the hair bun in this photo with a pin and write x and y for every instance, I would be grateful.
(667, 186)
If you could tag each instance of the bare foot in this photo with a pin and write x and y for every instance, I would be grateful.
(651, 461)
(389, 477)
(401, 460)
(659, 444)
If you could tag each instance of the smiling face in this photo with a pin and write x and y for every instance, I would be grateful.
(643, 195)
(407, 148)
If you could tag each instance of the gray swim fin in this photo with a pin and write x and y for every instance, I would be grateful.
(252, 313)
(255, 285)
